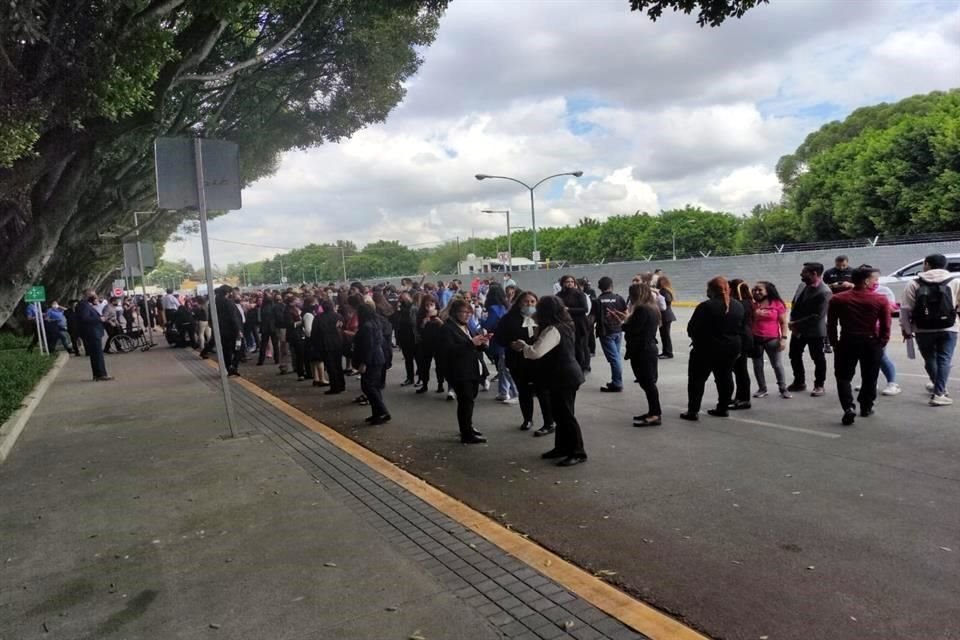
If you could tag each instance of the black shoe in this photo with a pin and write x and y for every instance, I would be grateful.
(848, 418)
(738, 405)
(300, 378)
(259, 364)
(553, 453)
(665, 356)
(797, 386)
(333, 392)
(649, 421)
(827, 349)
(611, 389)
(422, 389)
(525, 426)
(692, 417)
(569, 461)
(232, 373)
(718, 413)
(375, 420)
(439, 388)
(865, 413)
(544, 431)
(406, 383)
(472, 439)
(640, 418)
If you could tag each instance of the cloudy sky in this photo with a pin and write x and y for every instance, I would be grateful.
(656, 115)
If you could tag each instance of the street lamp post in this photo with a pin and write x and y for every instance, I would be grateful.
(673, 231)
(509, 245)
(533, 215)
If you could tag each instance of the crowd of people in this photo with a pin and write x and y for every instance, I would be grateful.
(539, 349)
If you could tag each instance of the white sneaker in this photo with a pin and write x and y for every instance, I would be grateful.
(929, 386)
(510, 401)
(941, 401)
(451, 395)
(892, 389)
(485, 386)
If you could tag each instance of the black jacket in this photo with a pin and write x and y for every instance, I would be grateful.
(404, 323)
(559, 367)
(460, 356)
(609, 324)
(809, 310)
(89, 324)
(510, 328)
(576, 303)
(716, 331)
(268, 322)
(640, 331)
(368, 345)
(231, 323)
(325, 334)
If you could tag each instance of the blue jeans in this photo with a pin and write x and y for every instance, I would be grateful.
(611, 351)
(937, 351)
(888, 369)
(506, 387)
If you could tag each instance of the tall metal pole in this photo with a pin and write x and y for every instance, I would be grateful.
(281, 269)
(315, 279)
(533, 222)
(143, 283)
(674, 243)
(509, 246)
(343, 262)
(208, 273)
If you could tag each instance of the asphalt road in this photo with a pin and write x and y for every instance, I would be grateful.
(775, 523)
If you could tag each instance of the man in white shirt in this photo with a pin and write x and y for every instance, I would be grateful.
(929, 313)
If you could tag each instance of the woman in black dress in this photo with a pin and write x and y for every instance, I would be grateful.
(740, 291)
(519, 324)
(577, 305)
(461, 358)
(640, 325)
(714, 329)
(562, 375)
(368, 360)
(327, 343)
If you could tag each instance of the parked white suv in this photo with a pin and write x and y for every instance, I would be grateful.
(912, 270)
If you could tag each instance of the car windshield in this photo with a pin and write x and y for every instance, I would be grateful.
(912, 270)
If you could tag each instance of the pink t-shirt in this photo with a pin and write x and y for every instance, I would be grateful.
(766, 319)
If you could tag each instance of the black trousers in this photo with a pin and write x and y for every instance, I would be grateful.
(425, 357)
(371, 385)
(94, 348)
(333, 362)
(699, 368)
(409, 350)
(582, 351)
(568, 437)
(814, 344)
(275, 342)
(851, 351)
(466, 391)
(229, 348)
(527, 389)
(742, 376)
(644, 367)
(298, 358)
(666, 341)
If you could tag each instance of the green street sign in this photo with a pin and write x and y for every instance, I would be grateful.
(36, 293)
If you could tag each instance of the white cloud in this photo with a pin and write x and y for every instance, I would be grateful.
(657, 115)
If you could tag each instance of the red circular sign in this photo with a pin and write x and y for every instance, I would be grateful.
(118, 292)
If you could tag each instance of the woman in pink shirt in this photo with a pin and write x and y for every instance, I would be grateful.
(770, 335)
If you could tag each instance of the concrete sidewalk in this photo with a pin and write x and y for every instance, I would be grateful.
(123, 514)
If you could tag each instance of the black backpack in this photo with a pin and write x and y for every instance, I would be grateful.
(934, 308)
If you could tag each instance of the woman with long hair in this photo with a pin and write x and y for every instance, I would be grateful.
(368, 360)
(667, 317)
(462, 365)
(429, 330)
(562, 375)
(497, 306)
(770, 334)
(714, 330)
(640, 325)
(740, 291)
(577, 305)
(520, 324)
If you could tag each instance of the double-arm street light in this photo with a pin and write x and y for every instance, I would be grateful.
(533, 215)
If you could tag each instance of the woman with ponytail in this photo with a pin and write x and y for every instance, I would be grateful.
(715, 331)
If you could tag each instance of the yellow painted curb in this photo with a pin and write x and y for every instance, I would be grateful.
(635, 614)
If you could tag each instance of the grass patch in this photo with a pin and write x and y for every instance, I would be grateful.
(20, 373)
(13, 341)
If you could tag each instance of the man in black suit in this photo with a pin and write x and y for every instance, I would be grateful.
(90, 329)
(231, 328)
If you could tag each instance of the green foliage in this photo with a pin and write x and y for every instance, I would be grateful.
(696, 230)
(890, 169)
(21, 372)
(712, 12)
(132, 73)
(768, 226)
(16, 139)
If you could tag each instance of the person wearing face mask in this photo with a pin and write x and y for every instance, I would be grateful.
(429, 328)
(864, 320)
(808, 315)
(90, 329)
(519, 324)
(770, 336)
(461, 354)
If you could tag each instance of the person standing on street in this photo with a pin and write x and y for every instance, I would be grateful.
(90, 329)
(715, 329)
(864, 319)
(640, 328)
(368, 360)
(770, 336)
(612, 308)
(929, 313)
(839, 278)
(462, 366)
(740, 291)
(562, 375)
(327, 342)
(667, 316)
(231, 328)
(808, 324)
(578, 305)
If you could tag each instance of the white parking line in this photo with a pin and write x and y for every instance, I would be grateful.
(773, 425)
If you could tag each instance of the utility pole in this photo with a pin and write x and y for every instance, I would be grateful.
(343, 262)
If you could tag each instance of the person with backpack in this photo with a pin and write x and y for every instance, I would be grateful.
(929, 314)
